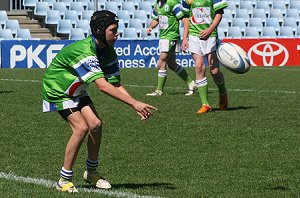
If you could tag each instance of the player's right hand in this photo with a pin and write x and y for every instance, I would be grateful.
(144, 110)
(149, 30)
(185, 45)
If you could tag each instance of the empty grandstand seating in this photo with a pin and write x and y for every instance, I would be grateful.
(242, 18)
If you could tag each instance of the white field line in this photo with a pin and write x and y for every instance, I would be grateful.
(177, 88)
(51, 184)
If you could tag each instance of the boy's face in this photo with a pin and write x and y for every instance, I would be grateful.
(111, 34)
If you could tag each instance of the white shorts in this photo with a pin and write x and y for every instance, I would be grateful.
(202, 47)
(166, 45)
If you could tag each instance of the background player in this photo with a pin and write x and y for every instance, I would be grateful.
(200, 37)
(167, 14)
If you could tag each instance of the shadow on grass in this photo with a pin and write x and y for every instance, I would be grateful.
(155, 185)
(278, 187)
(233, 108)
(5, 92)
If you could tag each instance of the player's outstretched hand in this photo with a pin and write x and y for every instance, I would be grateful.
(144, 110)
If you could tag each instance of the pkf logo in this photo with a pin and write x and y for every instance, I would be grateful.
(268, 53)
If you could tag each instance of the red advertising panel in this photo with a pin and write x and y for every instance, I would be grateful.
(271, 52)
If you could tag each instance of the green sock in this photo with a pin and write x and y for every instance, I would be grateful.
(161, 83)
(203, 92)
(221, 86)
(161, 80)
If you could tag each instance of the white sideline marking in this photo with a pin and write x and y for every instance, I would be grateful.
(51, 184)
(180, 88)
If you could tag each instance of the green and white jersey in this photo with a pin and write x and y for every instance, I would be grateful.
(75, 67)
(168, 15)
(201, 14)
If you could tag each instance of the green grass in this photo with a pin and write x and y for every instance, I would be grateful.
(249, 150)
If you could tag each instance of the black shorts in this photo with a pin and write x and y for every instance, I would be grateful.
(84, 101)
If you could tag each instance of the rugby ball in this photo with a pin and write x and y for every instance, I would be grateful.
(233, 58)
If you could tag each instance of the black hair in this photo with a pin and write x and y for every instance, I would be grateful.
(100, 21)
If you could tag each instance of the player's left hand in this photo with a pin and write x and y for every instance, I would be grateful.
(205, 34)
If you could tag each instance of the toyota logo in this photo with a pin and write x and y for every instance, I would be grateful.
(268, 53)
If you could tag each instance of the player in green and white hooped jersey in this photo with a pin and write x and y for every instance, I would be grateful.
(167, 14)
(200, 37)
(64, 90)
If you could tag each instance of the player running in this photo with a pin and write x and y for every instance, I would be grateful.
(167, 14)
(201, 39)
(64, 90)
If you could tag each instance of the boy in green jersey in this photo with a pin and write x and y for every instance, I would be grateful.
(167, 14)
(200, 37)
(64, 90)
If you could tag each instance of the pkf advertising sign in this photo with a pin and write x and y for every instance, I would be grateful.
(270, 52)
(39, 53)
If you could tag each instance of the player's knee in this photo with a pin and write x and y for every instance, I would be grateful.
(95, 125)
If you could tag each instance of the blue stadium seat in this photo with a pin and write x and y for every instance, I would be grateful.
(52, 17)
(64, 27)
(87, 14)
(294, 13)
(243, 13)
(268, 32)
(295, 4)
(29, 3)
(121, 28)
(6, 34)
(298, 32)
(260, 13)
(112, 6)
(232, 7)
(277, 13)
(84, 25)
(84, 3)
(118, 2)
(67, 2)
(281, 6)
(273, 22)
(71, 15)
(13, 25)
(140, 14)
(237, 3)
(291, 22)
(41, 9)
(234, 32)
(76, 34)
(221, 33)
(130, 33)
(224, 25)
(251, 32)
(91, 6)
(129, 6)
(146, 5)
(228, 15)
(124, 14)
(239, 22)
(256, 22)
(135, 3)
(50, 2)
(286, 32)
(3, 18)
(248, 6)
(137, 24)
(78, 7)
(23, 34)
(61, 7)
(264, 5)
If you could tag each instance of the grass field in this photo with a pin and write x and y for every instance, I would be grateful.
(250, 150)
